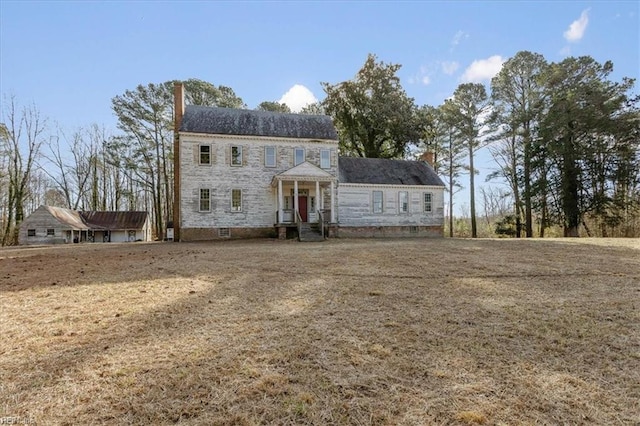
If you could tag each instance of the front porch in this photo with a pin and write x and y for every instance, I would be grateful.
(304, 195)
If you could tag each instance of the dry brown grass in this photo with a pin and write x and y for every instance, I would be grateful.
(344, 332)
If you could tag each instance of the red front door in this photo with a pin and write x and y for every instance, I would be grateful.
(302, 206)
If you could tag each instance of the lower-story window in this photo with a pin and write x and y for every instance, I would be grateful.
(31, 232)
(403, 201)
(428, 207)
(377, 201)
(205, 199)
(236, 200)
(51, 232)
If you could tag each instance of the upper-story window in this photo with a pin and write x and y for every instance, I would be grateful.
(428, 202)
(270, 156)
(325, 159)
(299, 156)
(205, 154)
(236, 155)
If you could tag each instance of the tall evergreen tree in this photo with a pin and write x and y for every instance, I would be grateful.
(587, 130)
(471, 107)
(518, 95)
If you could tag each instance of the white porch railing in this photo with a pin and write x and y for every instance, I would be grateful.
(298, 223)
(321, 222)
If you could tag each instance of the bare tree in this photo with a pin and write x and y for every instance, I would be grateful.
(22, 133)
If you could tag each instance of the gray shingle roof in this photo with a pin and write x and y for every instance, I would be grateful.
(244, 122)
(379, 171)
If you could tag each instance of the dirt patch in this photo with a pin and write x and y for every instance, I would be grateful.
(343, 332)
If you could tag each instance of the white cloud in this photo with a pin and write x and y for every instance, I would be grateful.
(449, 67)
(483, 69)
(565, 51)
(457, 38)
(422, 76)
(298, 97)
(578, 27)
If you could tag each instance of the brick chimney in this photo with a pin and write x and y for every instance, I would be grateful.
(178, 99)
(178, 111)
(428, 157)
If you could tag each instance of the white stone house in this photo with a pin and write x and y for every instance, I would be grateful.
(244, 173)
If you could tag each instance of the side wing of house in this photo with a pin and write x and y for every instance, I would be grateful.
(117, 226)
(389, 198)
(51, 225)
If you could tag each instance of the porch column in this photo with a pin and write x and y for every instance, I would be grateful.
(317, 195)
(333, 203)
(280, 203)
(295, 198)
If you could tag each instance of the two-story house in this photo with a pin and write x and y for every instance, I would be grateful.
(245, 173)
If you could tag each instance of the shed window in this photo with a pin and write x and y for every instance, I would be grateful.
(428, 202)
(236, 155)
(31, 232)
(299, 156)
(325, 159)
(236, 200)
(205, 199)
(205, 154)
(377, 201)
(270, 156)
(51, 232)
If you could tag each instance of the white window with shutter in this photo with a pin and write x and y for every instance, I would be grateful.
(299, 156)
(377, 201)
(325, 159)
(270, 156)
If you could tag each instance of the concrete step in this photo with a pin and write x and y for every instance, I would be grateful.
(309, 235)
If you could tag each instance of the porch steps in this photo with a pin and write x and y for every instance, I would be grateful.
(310, 232)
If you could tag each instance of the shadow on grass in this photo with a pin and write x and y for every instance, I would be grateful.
(387, 335)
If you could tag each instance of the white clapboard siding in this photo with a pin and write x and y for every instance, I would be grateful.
(355, 206)
(253, 178)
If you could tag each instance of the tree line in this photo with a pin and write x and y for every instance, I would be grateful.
(564, 137)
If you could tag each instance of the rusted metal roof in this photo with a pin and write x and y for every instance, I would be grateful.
(67, 217)
(113, 221)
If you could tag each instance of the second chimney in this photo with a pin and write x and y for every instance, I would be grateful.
(428, 157)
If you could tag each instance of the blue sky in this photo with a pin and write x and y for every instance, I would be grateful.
(71, 58)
